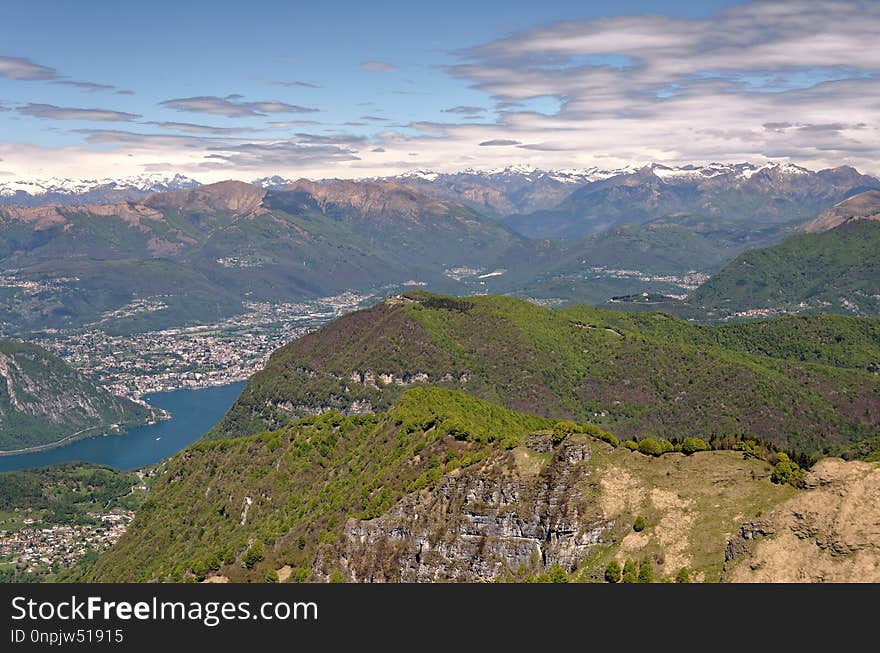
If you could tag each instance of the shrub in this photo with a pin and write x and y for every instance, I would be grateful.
(557, 575)
(692, 445)
(630, 572)
(632, 445)
(683, 576)
(200, 570)
(612, 572)
(599, 434)
(639, 524)
(787, 471)
(271, 576)
(646, 572)
(299, 575)
(337, 577)
(563, 429)
(655, 446)
(254, 555)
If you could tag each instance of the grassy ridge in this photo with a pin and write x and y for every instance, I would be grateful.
(295, 487)
(247, 507)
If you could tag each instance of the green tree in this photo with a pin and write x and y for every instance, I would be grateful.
(254, 555)
(612, 572)
(557, 575)
(655, 446)
(646, 571)
(639, 524)
(683, 576)
(200, 570)
(562, 430)
(630, 571)
(692, 445)
(337, 577)
(787, 471)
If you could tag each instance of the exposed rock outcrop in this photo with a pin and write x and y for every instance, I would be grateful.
(830, 533)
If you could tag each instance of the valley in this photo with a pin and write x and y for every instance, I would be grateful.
(515, 429)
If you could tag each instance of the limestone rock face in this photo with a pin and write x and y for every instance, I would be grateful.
(479, 523)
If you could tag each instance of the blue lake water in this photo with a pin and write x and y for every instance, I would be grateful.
(193, 412)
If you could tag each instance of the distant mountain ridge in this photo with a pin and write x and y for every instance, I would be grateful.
(744, 194)
(200, 252)
(90, 191)
(835, 270)
(864, 206)
(637, 374)
(515, 190)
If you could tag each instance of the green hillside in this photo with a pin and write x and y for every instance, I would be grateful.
(833, 271)
(200, 252)
(442, 486)
(637, 374)
(43, 401)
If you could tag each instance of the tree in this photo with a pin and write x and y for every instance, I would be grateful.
(646, 571)
(683, 576)
(630, 571)
(655, 446)
(787, 471)
(639, 524)
(254, 555)
(692, 445)
(563, 429)
(200, 570)
(557, 575)
(612, 572)
(337, 577)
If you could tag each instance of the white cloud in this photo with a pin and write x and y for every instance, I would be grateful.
(378, 66)
(623, 90)
(24, 69)
(231, 106)
(52, 112)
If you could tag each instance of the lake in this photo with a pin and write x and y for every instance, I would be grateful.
(193, 412)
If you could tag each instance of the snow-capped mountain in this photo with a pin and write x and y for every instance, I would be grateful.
(522, 171)
(90, 191)
(524, 189)
(272, 183)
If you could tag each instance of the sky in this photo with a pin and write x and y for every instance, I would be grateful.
(222, 90)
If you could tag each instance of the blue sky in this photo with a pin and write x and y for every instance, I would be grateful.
(218, 89)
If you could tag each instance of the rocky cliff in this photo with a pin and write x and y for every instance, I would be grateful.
(43, 401)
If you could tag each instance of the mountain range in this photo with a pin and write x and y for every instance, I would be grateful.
(635, 374)
(90, 191)
(194, 254)
(200, 252)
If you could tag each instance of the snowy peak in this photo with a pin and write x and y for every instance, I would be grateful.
(92, 191)
(274, 182)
